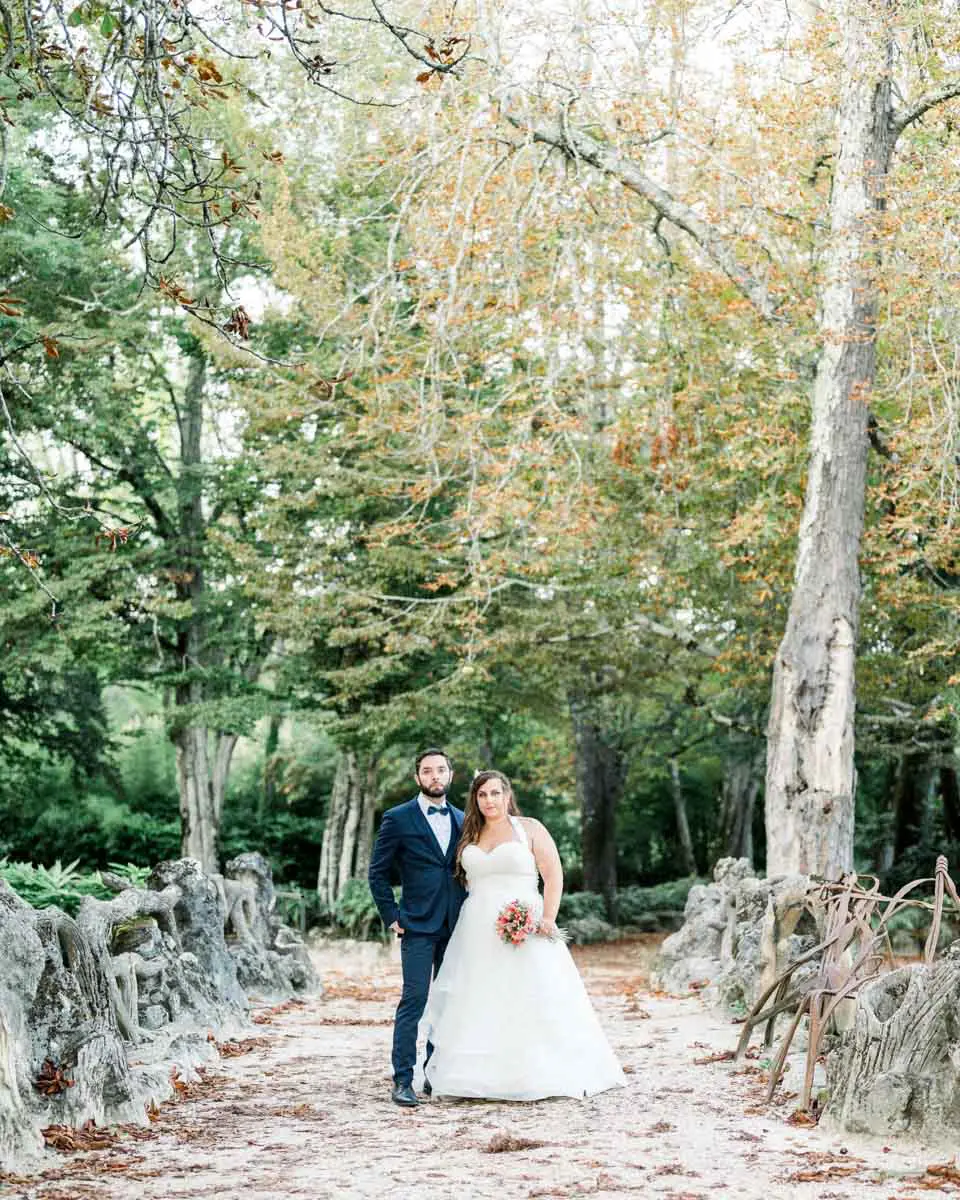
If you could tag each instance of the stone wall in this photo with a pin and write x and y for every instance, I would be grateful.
(97, 1012)
(737, 934)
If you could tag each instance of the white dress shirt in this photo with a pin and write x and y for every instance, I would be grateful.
(440, 823)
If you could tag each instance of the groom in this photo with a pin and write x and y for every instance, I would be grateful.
(419, 840)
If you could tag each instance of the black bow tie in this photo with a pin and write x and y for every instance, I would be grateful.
(442, 809)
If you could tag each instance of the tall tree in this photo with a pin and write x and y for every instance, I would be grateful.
(810, 770)
(125, 519)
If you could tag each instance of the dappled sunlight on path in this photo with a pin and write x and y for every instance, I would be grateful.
(302, 1109)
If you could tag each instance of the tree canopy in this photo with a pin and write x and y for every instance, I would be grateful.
(394, 377)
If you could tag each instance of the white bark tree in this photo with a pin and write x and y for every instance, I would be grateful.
(348, 831)
(810, 770)
(810, 778)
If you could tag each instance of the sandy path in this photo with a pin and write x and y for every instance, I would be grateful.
(305, 1112)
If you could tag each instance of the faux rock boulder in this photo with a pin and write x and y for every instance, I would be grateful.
(205, 973)
(737, 934)
(897, 1070)
(22, 959)
(97, 1011)
(271, 959)
(64, 1047)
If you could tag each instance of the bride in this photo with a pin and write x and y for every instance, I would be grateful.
(511, 1022)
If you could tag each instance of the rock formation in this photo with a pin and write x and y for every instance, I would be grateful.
(737, 933)
(897, 1070)
(158, 969)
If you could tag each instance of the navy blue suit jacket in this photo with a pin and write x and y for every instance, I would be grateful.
(430, 897)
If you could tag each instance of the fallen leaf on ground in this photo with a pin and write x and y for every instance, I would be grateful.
(947, 1170)
(936, 1176)
(675, 1168)
(267, 1014)
(504, 1143)
(297, 1110)
(720, 1056)
(50, 1080)
(353, 1021)
(233, 1049)
(69, 1140)
(821, 1175)
(353, 990)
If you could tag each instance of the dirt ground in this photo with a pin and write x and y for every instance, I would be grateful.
(301, 1109)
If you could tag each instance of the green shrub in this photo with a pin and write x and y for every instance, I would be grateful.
(590, 929)
(59, 885)
(636, 903)
(136, 876)
(295, 903)
(577, 906)
(355, 913)
(291, 843)
(64, 886)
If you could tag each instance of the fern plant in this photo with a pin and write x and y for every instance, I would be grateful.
(64, 886)
(355, 912)
(135, 875)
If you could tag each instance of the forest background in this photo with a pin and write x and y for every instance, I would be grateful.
(373, 398)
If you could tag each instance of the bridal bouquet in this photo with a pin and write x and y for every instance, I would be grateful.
(515, 922)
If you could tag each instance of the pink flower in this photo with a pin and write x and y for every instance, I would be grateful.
(515, 922)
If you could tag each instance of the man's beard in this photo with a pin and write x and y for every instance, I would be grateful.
(434, 790)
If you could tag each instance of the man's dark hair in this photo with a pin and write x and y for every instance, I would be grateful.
(429, 754)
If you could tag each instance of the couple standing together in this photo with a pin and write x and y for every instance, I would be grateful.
(504, 1021)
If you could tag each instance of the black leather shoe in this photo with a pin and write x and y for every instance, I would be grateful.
(404, 1095)
(427, 1088)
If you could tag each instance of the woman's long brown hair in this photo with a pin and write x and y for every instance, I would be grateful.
(474, 820)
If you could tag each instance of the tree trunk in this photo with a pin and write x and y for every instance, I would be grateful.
(601, 775)
(199, 803)
(683, 825)
(225, 744)
(950, 796)
(269, 791)
(199, 827)
(348, 830)
(368, 812)
(911, 798)
(741, 785)
(810, 769)
(884, 854)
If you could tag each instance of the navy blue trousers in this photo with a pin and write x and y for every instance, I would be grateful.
(420, 957)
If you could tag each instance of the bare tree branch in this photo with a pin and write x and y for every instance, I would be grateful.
(578, 145)
(913, 112)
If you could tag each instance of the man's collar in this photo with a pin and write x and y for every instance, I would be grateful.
(426, 801)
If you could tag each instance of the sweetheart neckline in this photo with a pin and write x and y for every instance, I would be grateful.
(498, 846)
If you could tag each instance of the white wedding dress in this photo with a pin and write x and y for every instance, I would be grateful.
(511, 1022)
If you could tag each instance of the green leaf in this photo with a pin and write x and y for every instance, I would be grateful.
(76, 17)
(108, 24)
